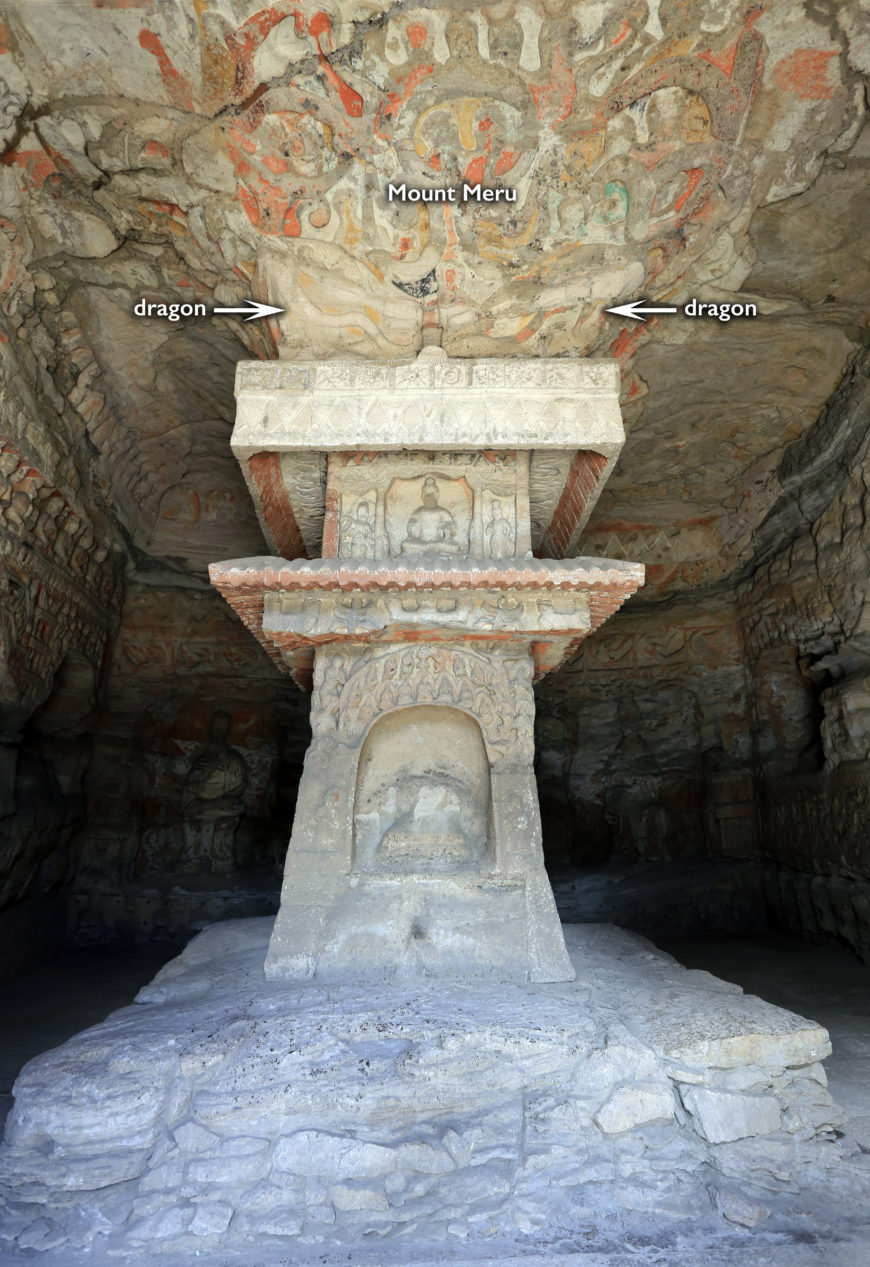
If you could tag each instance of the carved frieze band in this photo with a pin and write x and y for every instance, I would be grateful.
(498, 420)
(433, 371)
(247, 583)
(360, 614)
(434, 401)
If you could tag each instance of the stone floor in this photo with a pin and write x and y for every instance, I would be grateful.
(828, 983)
(47, 1006)
(825, 983)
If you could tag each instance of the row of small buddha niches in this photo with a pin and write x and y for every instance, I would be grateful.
(421, 649)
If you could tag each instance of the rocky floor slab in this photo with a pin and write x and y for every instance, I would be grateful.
(222, 1112)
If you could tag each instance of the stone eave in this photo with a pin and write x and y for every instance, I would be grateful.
(244, 584)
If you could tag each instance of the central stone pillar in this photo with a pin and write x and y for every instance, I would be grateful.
(416, 845)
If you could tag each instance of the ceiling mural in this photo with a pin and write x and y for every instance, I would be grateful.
(214, 150)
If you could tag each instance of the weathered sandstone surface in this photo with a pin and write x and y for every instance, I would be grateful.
(220, 1110)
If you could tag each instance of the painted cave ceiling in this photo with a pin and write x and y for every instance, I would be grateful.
(211, 150)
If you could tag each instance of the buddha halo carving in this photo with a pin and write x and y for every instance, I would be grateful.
(496, 690)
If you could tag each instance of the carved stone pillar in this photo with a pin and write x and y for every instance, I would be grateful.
(416, 845)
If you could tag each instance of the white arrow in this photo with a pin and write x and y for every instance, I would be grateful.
(252, 310)
(634, 309)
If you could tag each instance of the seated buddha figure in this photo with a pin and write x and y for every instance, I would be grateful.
(431, 527)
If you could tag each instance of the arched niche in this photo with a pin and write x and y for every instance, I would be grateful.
(423, 799)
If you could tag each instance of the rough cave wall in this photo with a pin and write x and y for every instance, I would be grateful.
(742, 730)
(807, 630)
(207, 151)
(192, 780)
(60, 597)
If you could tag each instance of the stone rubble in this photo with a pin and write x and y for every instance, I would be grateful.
(222, 1111)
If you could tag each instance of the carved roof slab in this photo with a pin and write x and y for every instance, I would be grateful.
(289, 415)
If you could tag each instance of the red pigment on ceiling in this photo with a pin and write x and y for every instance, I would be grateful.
(417, 33)
(272, 208)
(625, 344)
(555, 99)
(321, 25)
(395, 100)
(723, 61)
(37, 164)
(168, 209)
(806, 73)
(249, 202)
(242, 44)
(275, 164)
(176, 85)
(475, 169)
(623, 33)
(694, 174)
(155, 150)
(506, 160)
(245, 142)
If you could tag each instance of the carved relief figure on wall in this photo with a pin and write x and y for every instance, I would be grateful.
(358, 531)
(499, 533)
(430, 526)
(213, 802)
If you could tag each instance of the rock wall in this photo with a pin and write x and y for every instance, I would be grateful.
(192, 782)
(739, 730)
(60, 594)
(808, 638)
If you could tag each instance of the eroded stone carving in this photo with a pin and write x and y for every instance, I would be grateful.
(358, 531)
(422, 798)
(410, 503)
(422, 716)
(213, 802)
(499, 531)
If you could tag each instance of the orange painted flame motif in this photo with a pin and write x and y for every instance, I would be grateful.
(319, 26)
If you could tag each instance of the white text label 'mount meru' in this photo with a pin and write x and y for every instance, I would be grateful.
(466, 192)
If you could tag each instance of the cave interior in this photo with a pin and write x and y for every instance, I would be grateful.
(703, 763)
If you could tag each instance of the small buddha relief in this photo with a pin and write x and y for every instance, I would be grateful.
(428, 515)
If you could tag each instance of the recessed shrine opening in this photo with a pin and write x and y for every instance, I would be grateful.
(423, 794)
